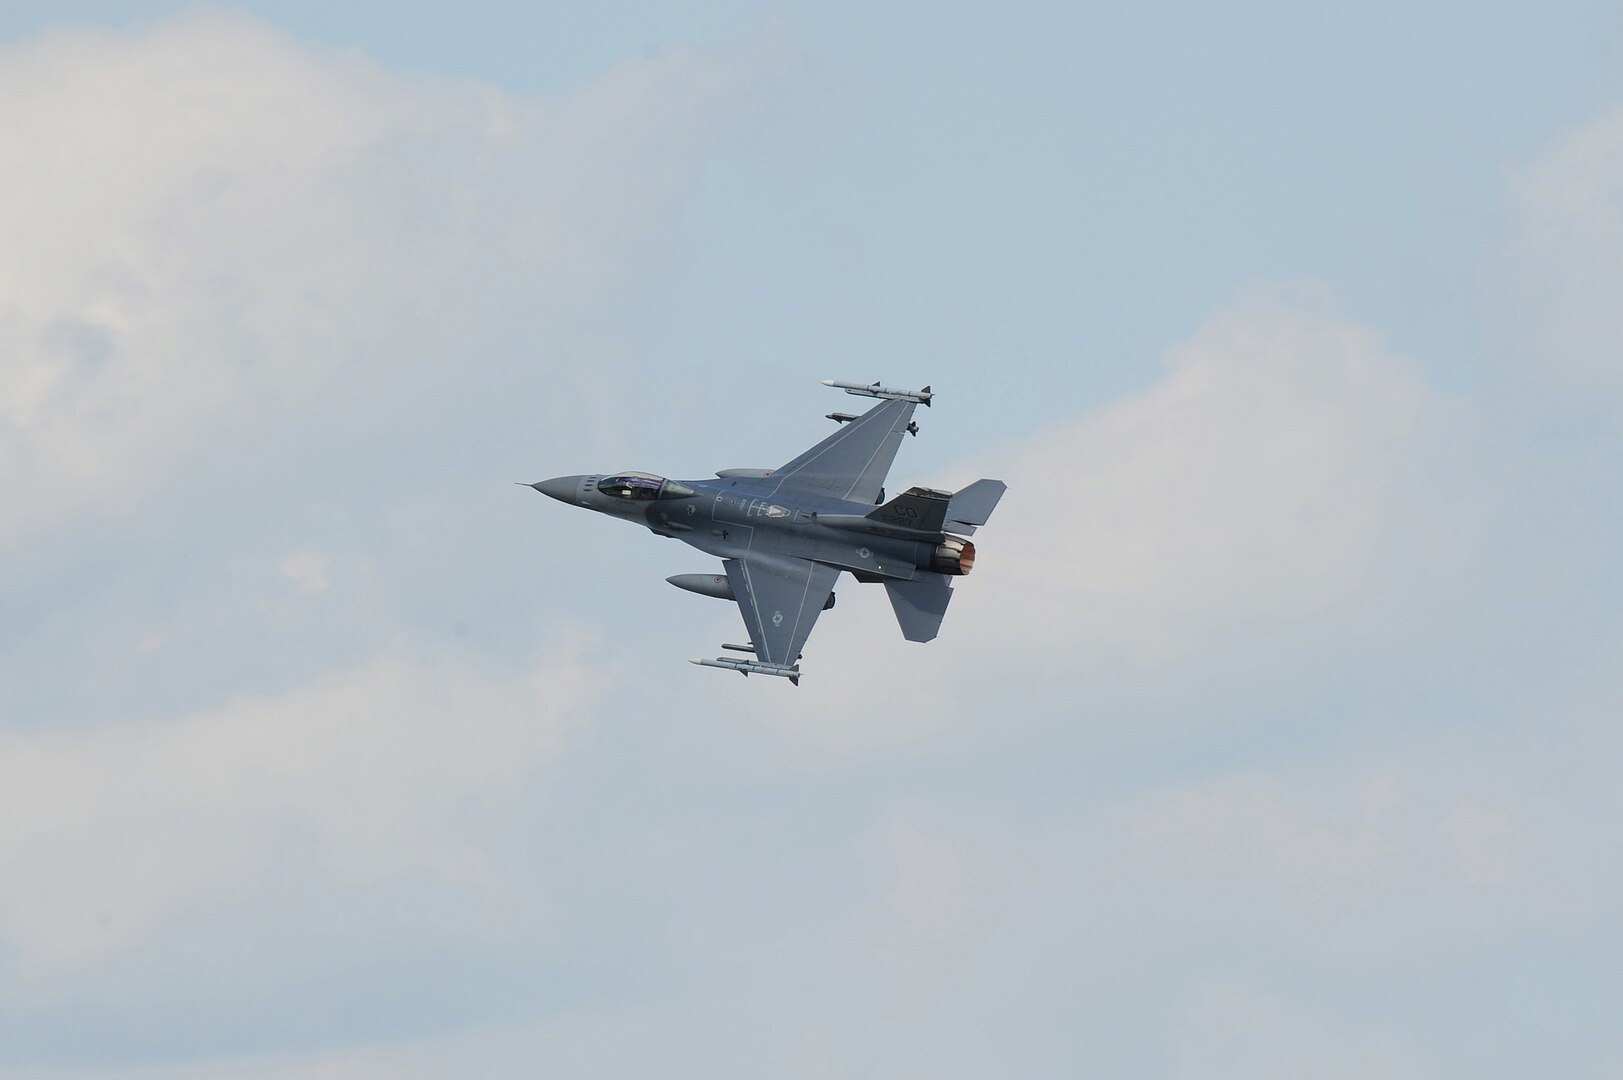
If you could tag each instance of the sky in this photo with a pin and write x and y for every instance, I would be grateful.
(1274, 735)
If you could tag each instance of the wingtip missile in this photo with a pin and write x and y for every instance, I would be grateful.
(750, 667)
(878, 390)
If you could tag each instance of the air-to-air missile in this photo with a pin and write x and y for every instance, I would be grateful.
(921, 397)
(751, 667)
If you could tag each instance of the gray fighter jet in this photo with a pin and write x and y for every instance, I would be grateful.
(784, 534)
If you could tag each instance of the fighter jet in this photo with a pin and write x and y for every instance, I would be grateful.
(784, 535)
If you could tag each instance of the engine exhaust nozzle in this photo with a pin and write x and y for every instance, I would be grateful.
(954, 556)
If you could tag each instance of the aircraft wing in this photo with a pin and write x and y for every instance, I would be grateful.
(780, 598)
(852, 462)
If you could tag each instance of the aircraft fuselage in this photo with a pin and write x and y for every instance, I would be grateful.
(731, 516)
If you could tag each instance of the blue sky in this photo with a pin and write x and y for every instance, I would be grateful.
(1274, 735)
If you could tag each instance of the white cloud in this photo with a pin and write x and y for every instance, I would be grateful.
(1363, 858)
(343, 1065)
(1236, 1030)
(111, 834)
(1563, 268)
(1249, 486)
(205, 227)
(934, 879)
(1248, 831)
(1482, 842)
(309, 572)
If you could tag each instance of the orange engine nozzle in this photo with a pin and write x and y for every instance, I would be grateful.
(954, 556)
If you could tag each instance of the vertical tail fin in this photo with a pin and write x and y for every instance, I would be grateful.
(974, 505)
(920, 605)
(917, 508)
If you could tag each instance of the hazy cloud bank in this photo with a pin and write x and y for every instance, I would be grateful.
(208, 226)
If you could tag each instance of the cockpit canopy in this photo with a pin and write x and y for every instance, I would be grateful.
(642, 487)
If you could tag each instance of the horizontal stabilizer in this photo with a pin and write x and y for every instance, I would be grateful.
(974, 505)
(920, 605)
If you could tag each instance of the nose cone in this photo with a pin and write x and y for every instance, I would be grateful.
(562, 488)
